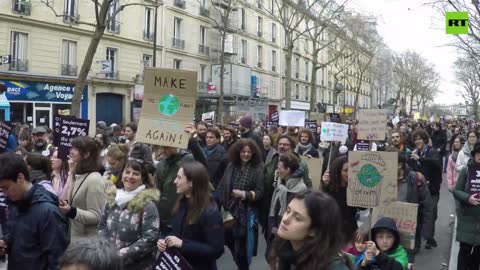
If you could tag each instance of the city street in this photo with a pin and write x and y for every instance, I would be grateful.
(434, 259)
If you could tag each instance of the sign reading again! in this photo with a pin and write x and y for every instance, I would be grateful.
(168, 105)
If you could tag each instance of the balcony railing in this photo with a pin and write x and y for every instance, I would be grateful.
(178, 43)
(69, 70)
(148, 35)
(112, 75)
(18, 65)
(22, 7)
(180, 3)
(113, 27)
(203, 49)
(204, 12)
(71, 18)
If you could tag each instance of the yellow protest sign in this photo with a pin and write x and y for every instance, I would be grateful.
(372, 178)
(168, 105)
(405, 215)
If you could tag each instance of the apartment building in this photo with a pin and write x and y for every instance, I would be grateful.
(46, 46)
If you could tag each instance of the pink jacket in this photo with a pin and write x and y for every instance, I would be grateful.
(452, 173)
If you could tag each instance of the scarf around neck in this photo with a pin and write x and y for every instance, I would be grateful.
(293, 185)
(122, 198)
(303, 149)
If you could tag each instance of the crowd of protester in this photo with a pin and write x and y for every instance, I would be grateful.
(117, 203)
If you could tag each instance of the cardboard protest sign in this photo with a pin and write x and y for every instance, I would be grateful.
(311, 125)
(372, 178)
(168, 105)
(315, 170)
(5, 130)
(473, 181)
(372, 124)
(405, 215)
(171, 259)
(274, 116)
(67, 128)
(333, 132)
(292, 118)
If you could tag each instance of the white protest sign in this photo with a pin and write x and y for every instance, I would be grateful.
(334, 132)
(208, 115)
(395, 120)
(292, 118)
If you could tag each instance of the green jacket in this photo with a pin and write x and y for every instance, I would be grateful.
(166, 173)
(468, 216)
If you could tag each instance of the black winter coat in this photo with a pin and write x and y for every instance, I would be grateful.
(217, 161)
(36, 232)
(430, 165)
(439, 141)
(203, 241)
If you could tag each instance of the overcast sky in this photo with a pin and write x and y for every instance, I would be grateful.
(407, 24)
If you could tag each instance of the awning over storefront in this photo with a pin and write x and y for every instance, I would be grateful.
(31, 91)
(5, 105)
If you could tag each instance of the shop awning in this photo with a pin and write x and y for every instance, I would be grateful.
(4, 101)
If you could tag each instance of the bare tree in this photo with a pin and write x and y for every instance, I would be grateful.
(364, 42)
(222, 20)
(382, 76)
(328, 20)
(469, 43)
(292, 15)
(468, 75)
(102, 11)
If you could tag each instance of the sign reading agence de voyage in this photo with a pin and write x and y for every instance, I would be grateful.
(168, 105)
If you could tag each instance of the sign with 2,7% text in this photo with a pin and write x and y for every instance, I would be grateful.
(65, 130)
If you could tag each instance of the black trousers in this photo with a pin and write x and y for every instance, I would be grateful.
(468, 257)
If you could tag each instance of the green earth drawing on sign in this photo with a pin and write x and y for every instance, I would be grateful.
(168, 104)
(369, 176)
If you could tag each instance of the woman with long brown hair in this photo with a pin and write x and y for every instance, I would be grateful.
(85, 198)
(197, 226)
(239, 190)
(309, 237)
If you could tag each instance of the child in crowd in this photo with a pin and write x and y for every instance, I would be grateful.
(359, 238)
(385, 252)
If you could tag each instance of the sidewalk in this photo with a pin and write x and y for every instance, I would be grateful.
(452, 264)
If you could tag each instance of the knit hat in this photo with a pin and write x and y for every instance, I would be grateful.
(246, 121)
(102, 125)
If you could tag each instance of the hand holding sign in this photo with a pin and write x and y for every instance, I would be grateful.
(474, 200)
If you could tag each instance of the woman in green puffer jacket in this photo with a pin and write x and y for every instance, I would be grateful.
(468, 214)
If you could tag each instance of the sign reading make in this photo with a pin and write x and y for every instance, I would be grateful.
(168, 106)
(67, 128)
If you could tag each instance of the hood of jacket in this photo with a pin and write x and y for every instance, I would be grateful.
(38, 175)
(138, 202)
(467, 150)
(37, 194)
(389, 224)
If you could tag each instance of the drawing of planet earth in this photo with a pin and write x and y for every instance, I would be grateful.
(369, 175)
